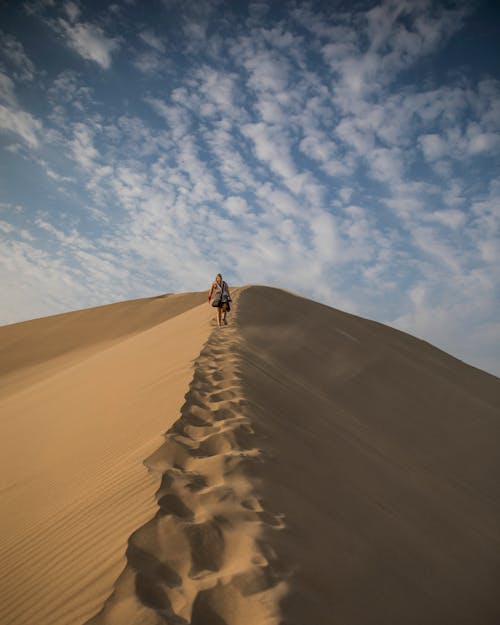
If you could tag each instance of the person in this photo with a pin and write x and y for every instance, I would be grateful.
(221, 299)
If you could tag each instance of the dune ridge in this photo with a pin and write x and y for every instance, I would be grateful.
(206, 556)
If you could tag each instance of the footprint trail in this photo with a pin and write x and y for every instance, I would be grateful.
(206, 558)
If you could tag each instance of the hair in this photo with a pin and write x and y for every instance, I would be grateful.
(218, 275)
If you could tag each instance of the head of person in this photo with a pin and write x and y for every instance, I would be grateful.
(218, 278)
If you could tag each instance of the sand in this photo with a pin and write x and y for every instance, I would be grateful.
(76, 423)
(315, 467)
(385, 467)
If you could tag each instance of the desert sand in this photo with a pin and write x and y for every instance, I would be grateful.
(301, 465)
(84, 398)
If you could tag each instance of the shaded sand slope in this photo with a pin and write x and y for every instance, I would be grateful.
(31, 344)
(385, 466)
(74, 432)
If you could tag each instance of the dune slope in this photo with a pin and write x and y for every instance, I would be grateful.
(385, 466)
(27, 348)
(76, 422)
(324, 469)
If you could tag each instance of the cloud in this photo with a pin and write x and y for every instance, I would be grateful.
(152, 40)
(20, 123)
(176, 118)
(52, 174)
(7, 90)
(89, 41)
(479, 141)
(326, 241)
(68, 88)
(386, 165)
(152, 59)
(459, 146)
(433, 146)
(272, 147)
(13, 52)
(236, 206)
(148, 62)
(72, 10)
(82, 147)
(451, 218)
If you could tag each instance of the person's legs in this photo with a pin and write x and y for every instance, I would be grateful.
(218, 315)
(224, 310)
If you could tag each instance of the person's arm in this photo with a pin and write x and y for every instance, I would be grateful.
(228, 293)
(210, 292)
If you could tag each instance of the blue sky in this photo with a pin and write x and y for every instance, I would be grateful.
(348, 151)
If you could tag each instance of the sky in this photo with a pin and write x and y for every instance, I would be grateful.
(347, 151)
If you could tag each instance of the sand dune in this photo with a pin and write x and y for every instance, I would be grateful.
(385, 466)
(74, 432)
(31, 349)
(323, 469)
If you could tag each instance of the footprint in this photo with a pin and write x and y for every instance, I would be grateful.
(148, 565)
(219, 443)
(257, 579)
(204, 613)
(172, 504)
(152, 595)
(223, 413)
(207, 547)
(197, 482)
(252, 503)
(275, 520)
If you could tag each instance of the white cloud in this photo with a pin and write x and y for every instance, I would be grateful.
(90, 42)
(176, 118)
(226, 147)
(386, 165)
(218, 91)
(451, 218)
(317, 146)
(433, 146)
(52, 174)
(82, 147)
(480, 141)
(7, 90)
(272, 147)
(236, 206)
(326, 242)
(21, 123)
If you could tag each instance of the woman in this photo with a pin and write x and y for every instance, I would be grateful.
(222, 297)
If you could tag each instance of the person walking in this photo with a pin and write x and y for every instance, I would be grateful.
(221, 299)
